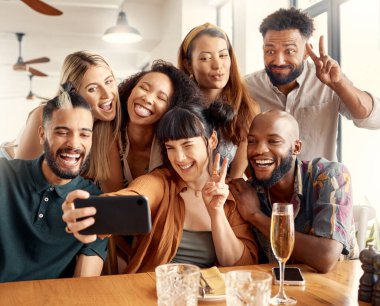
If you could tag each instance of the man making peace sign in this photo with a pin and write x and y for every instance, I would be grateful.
(314, 92)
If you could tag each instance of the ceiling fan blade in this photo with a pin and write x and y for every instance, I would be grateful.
(37, 60)
(42, 7)
(35, 71)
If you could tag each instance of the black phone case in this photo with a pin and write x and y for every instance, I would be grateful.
(122, 215)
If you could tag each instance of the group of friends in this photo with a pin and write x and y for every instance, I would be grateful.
(212, 152)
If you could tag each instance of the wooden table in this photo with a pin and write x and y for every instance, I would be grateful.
(338, 288)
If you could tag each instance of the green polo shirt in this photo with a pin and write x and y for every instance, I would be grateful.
(33, 241)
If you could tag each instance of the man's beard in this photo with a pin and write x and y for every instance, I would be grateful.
(281, 79)
(53, 165)
(277, 174)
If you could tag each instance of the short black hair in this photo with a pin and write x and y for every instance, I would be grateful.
(192, 120)
(67, 96)
(285, 19)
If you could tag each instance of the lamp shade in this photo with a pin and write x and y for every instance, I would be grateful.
(122, 32)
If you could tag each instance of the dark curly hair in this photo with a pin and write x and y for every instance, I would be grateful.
(184, 89)
(192, 120)
(285, 19)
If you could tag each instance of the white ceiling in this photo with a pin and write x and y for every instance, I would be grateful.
(80, 27)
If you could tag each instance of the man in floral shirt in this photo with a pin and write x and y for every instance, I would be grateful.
(319, 190)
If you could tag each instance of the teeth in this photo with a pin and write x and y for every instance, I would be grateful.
(106, 105)
(186, 166)
(71, 155)
(263, 161)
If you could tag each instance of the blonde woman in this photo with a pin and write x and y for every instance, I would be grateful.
(207, 56)
(94, 80)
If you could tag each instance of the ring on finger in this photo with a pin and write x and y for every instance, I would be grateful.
(215, 172)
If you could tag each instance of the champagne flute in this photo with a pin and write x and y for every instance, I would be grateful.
(282, 243)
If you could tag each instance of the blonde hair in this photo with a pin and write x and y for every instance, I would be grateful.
(235, 92)
(105, 133)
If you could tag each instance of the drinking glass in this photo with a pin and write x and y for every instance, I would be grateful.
(282, 243)
(177, 284)
(248, 288)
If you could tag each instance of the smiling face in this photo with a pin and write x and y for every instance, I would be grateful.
(284, 55)
(67, 139)
(210, 62)
(150, 98)
(99, 88)
(272, 142)
(189, 157)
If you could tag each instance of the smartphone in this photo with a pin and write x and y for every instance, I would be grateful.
(293, 276)
(122, 215)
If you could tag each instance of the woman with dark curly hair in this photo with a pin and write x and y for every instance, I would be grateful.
(144, 98)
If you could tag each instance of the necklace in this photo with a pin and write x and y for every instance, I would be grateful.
(197, 193)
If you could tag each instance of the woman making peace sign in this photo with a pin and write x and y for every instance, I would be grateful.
(194, 217)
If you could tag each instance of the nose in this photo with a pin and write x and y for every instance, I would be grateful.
(216, 63)
(106, 92)
(260, 148)
(149, 98)
(73, 142)
(180, 155)
(279, 59)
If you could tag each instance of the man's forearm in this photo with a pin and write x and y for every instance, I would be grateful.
(358, 102)
(88, 266)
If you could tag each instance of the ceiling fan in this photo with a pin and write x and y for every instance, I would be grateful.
(31, 95)
(22, 65)
(42, 7)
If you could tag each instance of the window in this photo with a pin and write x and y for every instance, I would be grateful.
(225, 19)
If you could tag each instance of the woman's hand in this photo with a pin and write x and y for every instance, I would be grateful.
(215, 192)
(70, 216)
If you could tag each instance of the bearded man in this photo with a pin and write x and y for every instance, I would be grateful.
(319, 190)
(315, 92)
(34, 244)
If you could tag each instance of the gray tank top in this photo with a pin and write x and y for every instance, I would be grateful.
(197, 248)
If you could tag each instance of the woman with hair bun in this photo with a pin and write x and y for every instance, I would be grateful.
(194, 216)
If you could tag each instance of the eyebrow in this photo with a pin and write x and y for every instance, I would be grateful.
(95, 83)
(209, 52)
(283, 45)
(160, 91)
(67, 129)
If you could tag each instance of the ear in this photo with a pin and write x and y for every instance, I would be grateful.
(213, 140)
(41, 134)
(306, 55)
(187, 66)
(297, 147)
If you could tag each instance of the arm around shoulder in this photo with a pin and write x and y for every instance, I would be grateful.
(29, 146)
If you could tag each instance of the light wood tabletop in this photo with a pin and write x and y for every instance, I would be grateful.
(338, 287)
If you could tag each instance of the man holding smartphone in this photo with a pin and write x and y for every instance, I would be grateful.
(319, 190)
(32, 233)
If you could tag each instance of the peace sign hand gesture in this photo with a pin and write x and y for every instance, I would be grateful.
(328, 70)
(215, 191)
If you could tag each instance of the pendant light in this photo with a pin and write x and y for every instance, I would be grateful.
(122, 32)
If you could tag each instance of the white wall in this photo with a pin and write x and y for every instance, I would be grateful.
(253, 12)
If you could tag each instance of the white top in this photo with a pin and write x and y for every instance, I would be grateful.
(315, 106)
(155, 159)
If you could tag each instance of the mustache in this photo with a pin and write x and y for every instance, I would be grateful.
(68, 150)
(280, 67)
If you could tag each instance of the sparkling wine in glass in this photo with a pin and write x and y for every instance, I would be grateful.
(282, 243)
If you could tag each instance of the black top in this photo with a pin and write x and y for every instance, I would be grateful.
(33, 241)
